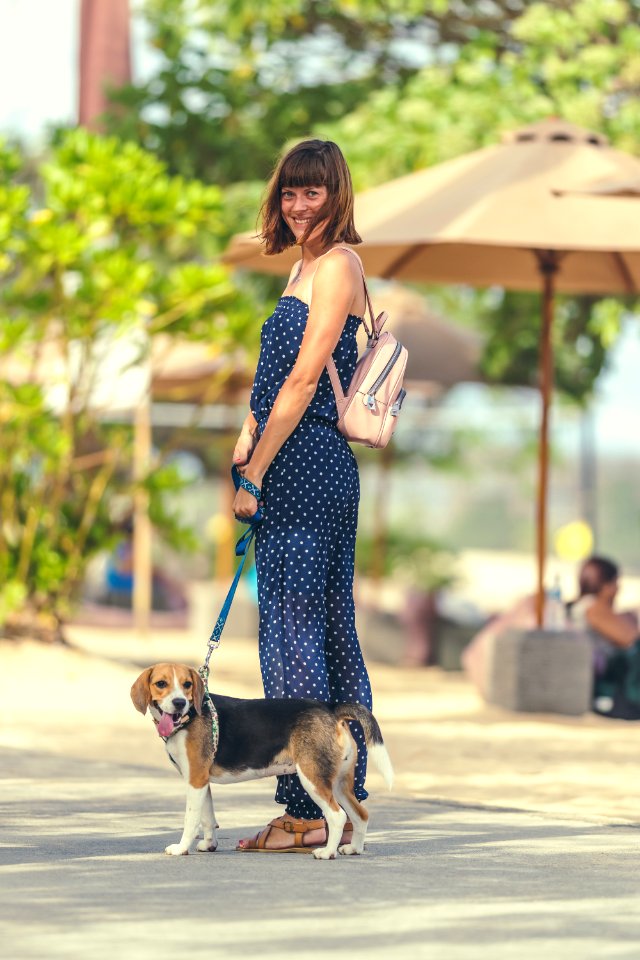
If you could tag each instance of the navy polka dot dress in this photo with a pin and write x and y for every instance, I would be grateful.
(305, 546)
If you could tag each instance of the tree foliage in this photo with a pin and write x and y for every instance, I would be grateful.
(400, 86)
(578, 60)
(106, 262)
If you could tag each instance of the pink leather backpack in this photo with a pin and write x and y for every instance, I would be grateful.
(368, 411)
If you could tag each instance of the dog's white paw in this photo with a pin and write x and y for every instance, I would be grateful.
(206, 846)
(175, 850)
(321, 853)
(348, 850)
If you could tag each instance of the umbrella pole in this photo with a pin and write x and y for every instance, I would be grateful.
(548, 263)
(142, 534)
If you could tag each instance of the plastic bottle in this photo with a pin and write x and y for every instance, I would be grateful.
(556, 617)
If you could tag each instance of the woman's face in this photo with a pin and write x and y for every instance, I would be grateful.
(299, 205)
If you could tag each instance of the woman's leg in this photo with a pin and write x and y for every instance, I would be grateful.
(293, 545)
(347, 673)
(292, 636)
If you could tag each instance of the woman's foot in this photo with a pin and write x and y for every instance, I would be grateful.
(286, 833)
(292, 834)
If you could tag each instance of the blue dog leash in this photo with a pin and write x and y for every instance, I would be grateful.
(242, 549)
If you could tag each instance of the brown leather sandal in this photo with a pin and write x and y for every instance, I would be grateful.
(289, 824)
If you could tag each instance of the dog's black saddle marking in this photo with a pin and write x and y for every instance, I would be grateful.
(253, 732)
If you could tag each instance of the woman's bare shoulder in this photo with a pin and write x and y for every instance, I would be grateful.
(338, 265)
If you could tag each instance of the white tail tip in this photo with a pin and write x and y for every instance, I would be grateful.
(382, 761)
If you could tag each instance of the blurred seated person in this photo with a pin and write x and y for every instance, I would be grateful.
(613, 636)
(616, 649)
(167, 594)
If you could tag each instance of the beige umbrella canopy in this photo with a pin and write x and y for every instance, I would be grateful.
(489, 216)
(503, 216)
(609, 187)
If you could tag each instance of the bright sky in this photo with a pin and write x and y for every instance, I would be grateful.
(38, 54)
(38, 86)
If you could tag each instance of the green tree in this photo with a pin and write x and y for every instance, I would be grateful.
(107, 260)
(400, 86)
(579, 60)
(403, 84)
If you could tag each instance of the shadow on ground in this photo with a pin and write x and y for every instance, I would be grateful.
(83, 875)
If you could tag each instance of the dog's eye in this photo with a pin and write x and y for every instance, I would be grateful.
(187, 684)
(161, 684)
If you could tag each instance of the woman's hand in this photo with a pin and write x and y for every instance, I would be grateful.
(245, 504)
(245, 445)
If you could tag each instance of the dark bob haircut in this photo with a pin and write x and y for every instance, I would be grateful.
(595, 573)
(311, 163)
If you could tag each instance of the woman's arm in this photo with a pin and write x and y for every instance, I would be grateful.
(615, 627)
(249, 433)
(335, 282)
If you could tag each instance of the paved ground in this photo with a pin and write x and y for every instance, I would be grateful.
(82, 877)
(507, 837)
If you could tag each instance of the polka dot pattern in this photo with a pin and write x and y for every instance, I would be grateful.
(279, 347)
(305, 547)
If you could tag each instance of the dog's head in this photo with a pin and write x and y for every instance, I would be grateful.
(169, 690)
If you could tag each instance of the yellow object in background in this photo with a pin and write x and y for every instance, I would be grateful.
(574, 541)
(219, 528)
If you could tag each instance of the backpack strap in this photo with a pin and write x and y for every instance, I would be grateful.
(332, 370)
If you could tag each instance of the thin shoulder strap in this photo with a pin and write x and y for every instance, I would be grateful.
(366, 289)
(366, 293)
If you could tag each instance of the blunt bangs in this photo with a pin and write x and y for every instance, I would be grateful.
(306, 168)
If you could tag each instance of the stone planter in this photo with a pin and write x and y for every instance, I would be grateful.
(540, 671)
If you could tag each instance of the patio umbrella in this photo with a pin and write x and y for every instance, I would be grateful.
(494, 217)
(607, 188)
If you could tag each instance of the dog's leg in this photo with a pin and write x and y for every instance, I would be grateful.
(193, 814)
(210, 842)
(333, 813)
(345, 795)
(358, 814)
(344, 792)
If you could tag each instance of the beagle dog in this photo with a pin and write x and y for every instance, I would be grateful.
(227, 740)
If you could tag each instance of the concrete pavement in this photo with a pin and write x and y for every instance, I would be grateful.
(83, 876)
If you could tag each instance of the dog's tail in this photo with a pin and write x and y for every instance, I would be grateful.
(372, 735)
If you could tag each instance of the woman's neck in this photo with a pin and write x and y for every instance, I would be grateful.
(311, 251)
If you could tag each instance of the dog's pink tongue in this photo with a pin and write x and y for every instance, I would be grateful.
(165, 725)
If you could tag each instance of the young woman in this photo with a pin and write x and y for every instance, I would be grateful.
(294, 454)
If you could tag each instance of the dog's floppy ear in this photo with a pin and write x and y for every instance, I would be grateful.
(140, 692)
(198, 690)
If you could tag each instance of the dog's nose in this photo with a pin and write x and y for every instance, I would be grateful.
(179, 703)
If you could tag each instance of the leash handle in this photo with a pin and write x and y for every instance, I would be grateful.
(240, 481)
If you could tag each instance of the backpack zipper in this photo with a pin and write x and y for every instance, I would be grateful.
(397, 406)
(370, 399)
